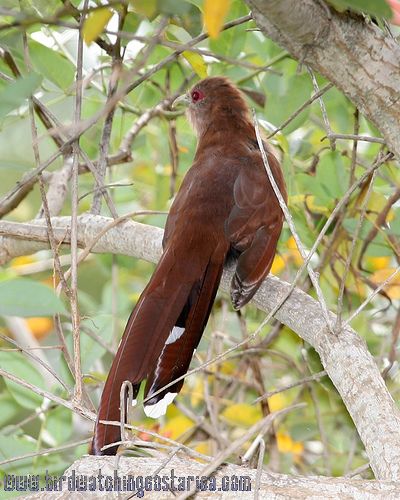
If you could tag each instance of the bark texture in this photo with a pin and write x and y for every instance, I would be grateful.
(272, 486)
(355, 55)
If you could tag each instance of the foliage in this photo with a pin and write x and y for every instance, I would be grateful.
(372, 7)
(319, 171)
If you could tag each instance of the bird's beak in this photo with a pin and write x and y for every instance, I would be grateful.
(183, 99)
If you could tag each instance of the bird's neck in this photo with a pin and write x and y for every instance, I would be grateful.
(225, 131)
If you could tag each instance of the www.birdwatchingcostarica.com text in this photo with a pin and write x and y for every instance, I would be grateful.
(139, 485)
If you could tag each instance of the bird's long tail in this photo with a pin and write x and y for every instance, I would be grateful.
(160, 337)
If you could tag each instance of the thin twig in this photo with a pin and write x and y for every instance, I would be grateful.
(52, 397)
(181, 47)
(323, 111)
(125, 404)
(155, 435)
(106, 134)
(48, 451)
(260, 463)
(355, 146)
(261, 426)
(360, 221)
(318, 417)
(305, 380)
(358, 471)
(74, 221)
(289, 220)
(379, 221)
(37, 359)
(370, 297)
(353, 137)
(313, 98)
(392, 356)
(201, 422)
(46, 212)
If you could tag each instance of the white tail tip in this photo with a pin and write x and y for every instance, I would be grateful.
(159, 409)
(176, 333)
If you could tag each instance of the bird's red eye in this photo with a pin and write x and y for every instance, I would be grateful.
(197, 95)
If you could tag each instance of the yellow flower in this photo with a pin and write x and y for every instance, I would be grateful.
(277, 402)
(22, 261)
(227, 368)
(378, 263)
(294, 252)
(204, 447)
(393, 287)
(278, 265)
(197, 393)
(242, 414)
(176, 427)
(40, 327)
(287, 445)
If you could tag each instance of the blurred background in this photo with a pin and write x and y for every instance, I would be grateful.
(147, 47)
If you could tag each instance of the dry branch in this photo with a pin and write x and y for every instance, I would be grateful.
(345, 356)
(272, 485)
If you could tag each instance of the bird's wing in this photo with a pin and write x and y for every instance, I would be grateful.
(253, 227)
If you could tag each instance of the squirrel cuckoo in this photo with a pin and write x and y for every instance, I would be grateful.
(225, 210)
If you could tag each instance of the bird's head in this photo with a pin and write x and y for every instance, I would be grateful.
(213, 100)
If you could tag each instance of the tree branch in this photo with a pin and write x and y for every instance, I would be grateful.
(352, 53)
(271, 485)
(345, 356)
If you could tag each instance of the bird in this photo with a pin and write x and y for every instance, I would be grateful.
(225, 212)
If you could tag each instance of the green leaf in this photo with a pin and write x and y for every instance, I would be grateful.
(172, 7)
(379, 248)
(192, 20)
(332, 175)
(19, 366)
(9, 409)
(283, 98)
(131, 24)
(15, 93)
(24, 297)
(304, 430)
(91, 350)
(59, 424)
(95, 24)
(147, 8)
(198, 3)
(175, 32)
(14, 446)
(372, 7)
(231, 42)
(52, 65)
(329, 182)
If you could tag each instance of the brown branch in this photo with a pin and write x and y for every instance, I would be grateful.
(73, 298)
(379, 222)
(345, 357)
(271, 485)
(313, 98)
